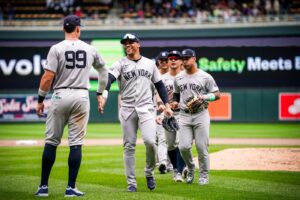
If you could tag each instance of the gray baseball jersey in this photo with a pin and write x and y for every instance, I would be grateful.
(171, 137)
(168, 80)
(196, 125)
(134, 80)
(71, 60)
(199, 83)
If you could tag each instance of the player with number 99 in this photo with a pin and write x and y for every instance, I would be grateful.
(68, 66)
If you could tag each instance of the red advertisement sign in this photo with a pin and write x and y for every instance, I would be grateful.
(289, 106)
(221, 109)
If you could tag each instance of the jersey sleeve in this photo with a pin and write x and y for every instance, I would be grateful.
(115, 70)
(52, 60)
(98, 60)
(211, 85)
(156, 75)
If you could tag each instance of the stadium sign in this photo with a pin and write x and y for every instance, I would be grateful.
(244, 66)
(289, 106)
(22, 67)
(250, 64)
(20, 108)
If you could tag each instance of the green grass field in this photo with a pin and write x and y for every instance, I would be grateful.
(102, 173)
(113, 130)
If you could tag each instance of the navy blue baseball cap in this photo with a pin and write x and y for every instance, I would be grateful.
(72, 20)
(163, 55)
(131, 37)
(187, 53)
(174, 53)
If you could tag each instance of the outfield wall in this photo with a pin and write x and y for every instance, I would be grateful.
(251, 105)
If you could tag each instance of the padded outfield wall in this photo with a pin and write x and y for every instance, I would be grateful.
(257, 69)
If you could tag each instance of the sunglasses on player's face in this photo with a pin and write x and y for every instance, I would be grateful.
(173, 58)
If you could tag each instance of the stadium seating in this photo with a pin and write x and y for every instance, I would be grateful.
(39, 12)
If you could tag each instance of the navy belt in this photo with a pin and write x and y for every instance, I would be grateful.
(76, 88)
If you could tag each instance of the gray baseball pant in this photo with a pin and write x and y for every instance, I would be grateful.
(148, 131)
(195, 126)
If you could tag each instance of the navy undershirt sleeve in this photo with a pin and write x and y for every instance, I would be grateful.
(111, 79)
(162, 91)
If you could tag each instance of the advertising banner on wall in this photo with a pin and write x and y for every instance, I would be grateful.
(17, 108)
(240, 67)
(234, 67)
(21, 67)
(221, 109)
(289, 106)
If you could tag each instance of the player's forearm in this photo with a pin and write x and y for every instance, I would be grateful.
(46, 80)
(45, 85)
(102, 79)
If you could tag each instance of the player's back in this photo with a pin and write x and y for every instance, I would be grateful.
(71, 60)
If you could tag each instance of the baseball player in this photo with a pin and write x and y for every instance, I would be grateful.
(67, 69)
(194, 82)
(162, 154)
(175, 63)
(135, 75)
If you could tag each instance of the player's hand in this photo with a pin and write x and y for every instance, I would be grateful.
(159, 119)
(168, 111)
(101, 103)
(200, 97)
(175, 105)
(161, 108)
(40, 109)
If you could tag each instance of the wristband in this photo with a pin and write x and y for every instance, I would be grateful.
(40, 99)
(41, 95)
(209, 97)
(104, 94)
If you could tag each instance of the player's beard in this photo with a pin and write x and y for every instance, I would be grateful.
(187, 67)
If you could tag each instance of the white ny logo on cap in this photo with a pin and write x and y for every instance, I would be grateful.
(129, 36)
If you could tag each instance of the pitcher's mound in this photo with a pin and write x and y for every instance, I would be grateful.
(275, 159)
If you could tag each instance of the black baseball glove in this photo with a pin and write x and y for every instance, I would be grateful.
(195, 104)
(170, 124)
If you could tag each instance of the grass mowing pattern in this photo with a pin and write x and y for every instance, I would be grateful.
(113, 130)
(102, 177)
(102, 172)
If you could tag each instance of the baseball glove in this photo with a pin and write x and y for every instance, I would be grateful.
(170, 124)
(194, 104)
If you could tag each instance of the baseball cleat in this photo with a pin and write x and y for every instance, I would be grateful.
(151, 184)
(162, 168)
(203, 181)
(73, 192)
(42, 191)
(190, 177)
(131, 188)
(169, 168)
(178, 177)
(184, 173)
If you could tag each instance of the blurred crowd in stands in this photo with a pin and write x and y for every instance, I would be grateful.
(203, 10)
(139, 10)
